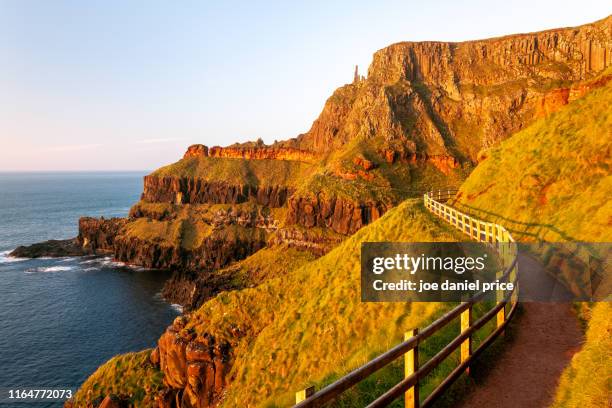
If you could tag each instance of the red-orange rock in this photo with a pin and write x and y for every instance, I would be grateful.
(251, 153)
(197, 150)
(172, 358)
(113, 401)
(364, 163)
(389, 156)
(438, 95)
(342, 216)
(197, 191)
(196, 368)
(154, 358)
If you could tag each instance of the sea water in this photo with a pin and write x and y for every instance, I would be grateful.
(61, 318)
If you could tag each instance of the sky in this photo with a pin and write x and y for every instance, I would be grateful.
(128, 85)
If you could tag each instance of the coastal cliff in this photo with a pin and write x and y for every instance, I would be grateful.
(258, 152)
(426, 114)
(98, 235)
(194, 191)
(342, 216)
(457, 98)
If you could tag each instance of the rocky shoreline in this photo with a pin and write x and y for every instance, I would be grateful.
(53, 248)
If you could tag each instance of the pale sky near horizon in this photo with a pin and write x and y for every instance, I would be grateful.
(115, 85)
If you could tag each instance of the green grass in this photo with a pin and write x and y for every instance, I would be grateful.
(587, 382)
(553, 180)
(129, 376)
(265, 264)
(188, 225)
(390, 183)
(155, 211)
(166, 232)
(185, 231)
(305, 324)
(310, 326)
(238, 171)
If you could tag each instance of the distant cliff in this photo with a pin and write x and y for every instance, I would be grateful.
(251, 153)
(445, 98)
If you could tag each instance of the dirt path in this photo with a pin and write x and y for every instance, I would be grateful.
(543, 339)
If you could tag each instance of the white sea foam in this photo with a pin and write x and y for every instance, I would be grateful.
(46, 269)
(4, 258)
(109, 262)
(177, 307)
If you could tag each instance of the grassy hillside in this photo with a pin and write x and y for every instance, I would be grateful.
(385, 182)
(335, 174)
(553, 180)
(310, 326)
(586, 382)
(237, 171)
(130, 376)
(267, 263)
(186, 226)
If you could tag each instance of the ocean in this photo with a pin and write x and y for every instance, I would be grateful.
(61, 318)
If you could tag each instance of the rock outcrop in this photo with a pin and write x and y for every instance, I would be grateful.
(52, 248)
(306, 240)
(190, 289)
(342, 216)
(455, 99)
(183, 190)
(216, 251)
(251, 153)
(97, 235)
(195, 369)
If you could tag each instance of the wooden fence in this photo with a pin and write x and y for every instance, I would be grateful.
(414, 372)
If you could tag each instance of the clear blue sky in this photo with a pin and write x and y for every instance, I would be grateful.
(118, 85)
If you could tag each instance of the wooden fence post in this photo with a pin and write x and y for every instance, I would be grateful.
(466, 346)
(503, 251)
(305, 393)
(411, 366)
(501, 316)
(515, 279)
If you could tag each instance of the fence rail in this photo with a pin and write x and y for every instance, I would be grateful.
(494, 235)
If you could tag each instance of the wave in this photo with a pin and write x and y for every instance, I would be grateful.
(108, 261)
(4, 258)
(90, 261)
(45, 269)
(177, 307)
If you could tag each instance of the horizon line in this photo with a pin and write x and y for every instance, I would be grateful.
(75, 171)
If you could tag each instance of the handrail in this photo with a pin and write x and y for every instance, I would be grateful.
(491, 233)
